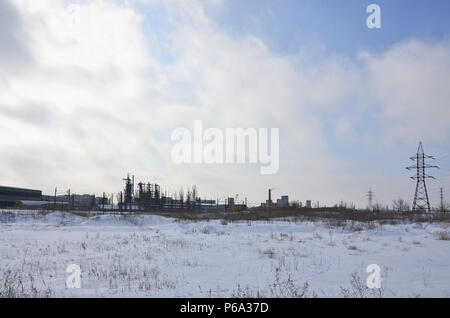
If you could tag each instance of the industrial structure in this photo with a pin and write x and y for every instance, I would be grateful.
(9, 196)
(269, 201)
(144, 197)
(280, 203)
(308, 204)
(370, 196)
(149, 197)
(421, 201)
(283, 202)
(443, 207)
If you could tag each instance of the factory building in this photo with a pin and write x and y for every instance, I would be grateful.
(10, 196)
(79, 202)
(283, 202)
(147, 197)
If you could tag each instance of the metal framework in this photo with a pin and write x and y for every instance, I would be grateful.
(370, 196)
(421, 201)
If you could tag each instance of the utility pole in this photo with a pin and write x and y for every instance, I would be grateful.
(121, 201)
(112, 202)
(54, 200)
(443, 208)
(103, 202)
(68, 200)
(370, 196)
(421, 201)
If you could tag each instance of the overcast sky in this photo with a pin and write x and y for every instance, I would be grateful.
(91, 90)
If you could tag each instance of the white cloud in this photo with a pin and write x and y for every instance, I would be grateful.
(410, 82)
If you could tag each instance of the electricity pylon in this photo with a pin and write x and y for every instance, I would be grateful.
(421, 201)
(370, 195)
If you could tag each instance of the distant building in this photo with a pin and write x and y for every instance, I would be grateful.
(9, 196)
(83, 201)
(80, 202)
(41, 205)
(101, 201)
(208, 205)
(308, 204)
(283, 202)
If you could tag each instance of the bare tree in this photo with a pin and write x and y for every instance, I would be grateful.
(400, 205)
(188, 198)
(377, 207)
(194, 196)
(181, 197)
(120, 200)
(194, 192)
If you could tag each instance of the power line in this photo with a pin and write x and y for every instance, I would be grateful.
(421, 201)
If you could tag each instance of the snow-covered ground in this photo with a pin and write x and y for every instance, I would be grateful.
(152, 256)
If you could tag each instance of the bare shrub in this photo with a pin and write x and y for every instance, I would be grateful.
(279, 289)
(443, 235)
(354, 227)
(354, 248)
(400, 205)
(359, 289)
(289, 289)
(316, 235)
(205, 230)
(246, 293)
(15, 284)
(270, 252)
(136, 220)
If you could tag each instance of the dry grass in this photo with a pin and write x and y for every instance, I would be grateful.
(18, 284)
(333, 217)
(443, 235)
(359, 289)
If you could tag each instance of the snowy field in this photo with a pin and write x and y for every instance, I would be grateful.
(153, 256)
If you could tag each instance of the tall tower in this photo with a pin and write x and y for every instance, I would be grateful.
(421, 201)
(370, 195)
(442, 201)
(129, 191)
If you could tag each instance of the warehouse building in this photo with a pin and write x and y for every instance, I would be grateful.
(10, 196)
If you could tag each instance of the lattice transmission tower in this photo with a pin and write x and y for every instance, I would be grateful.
(370, 196)
(421, 201)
